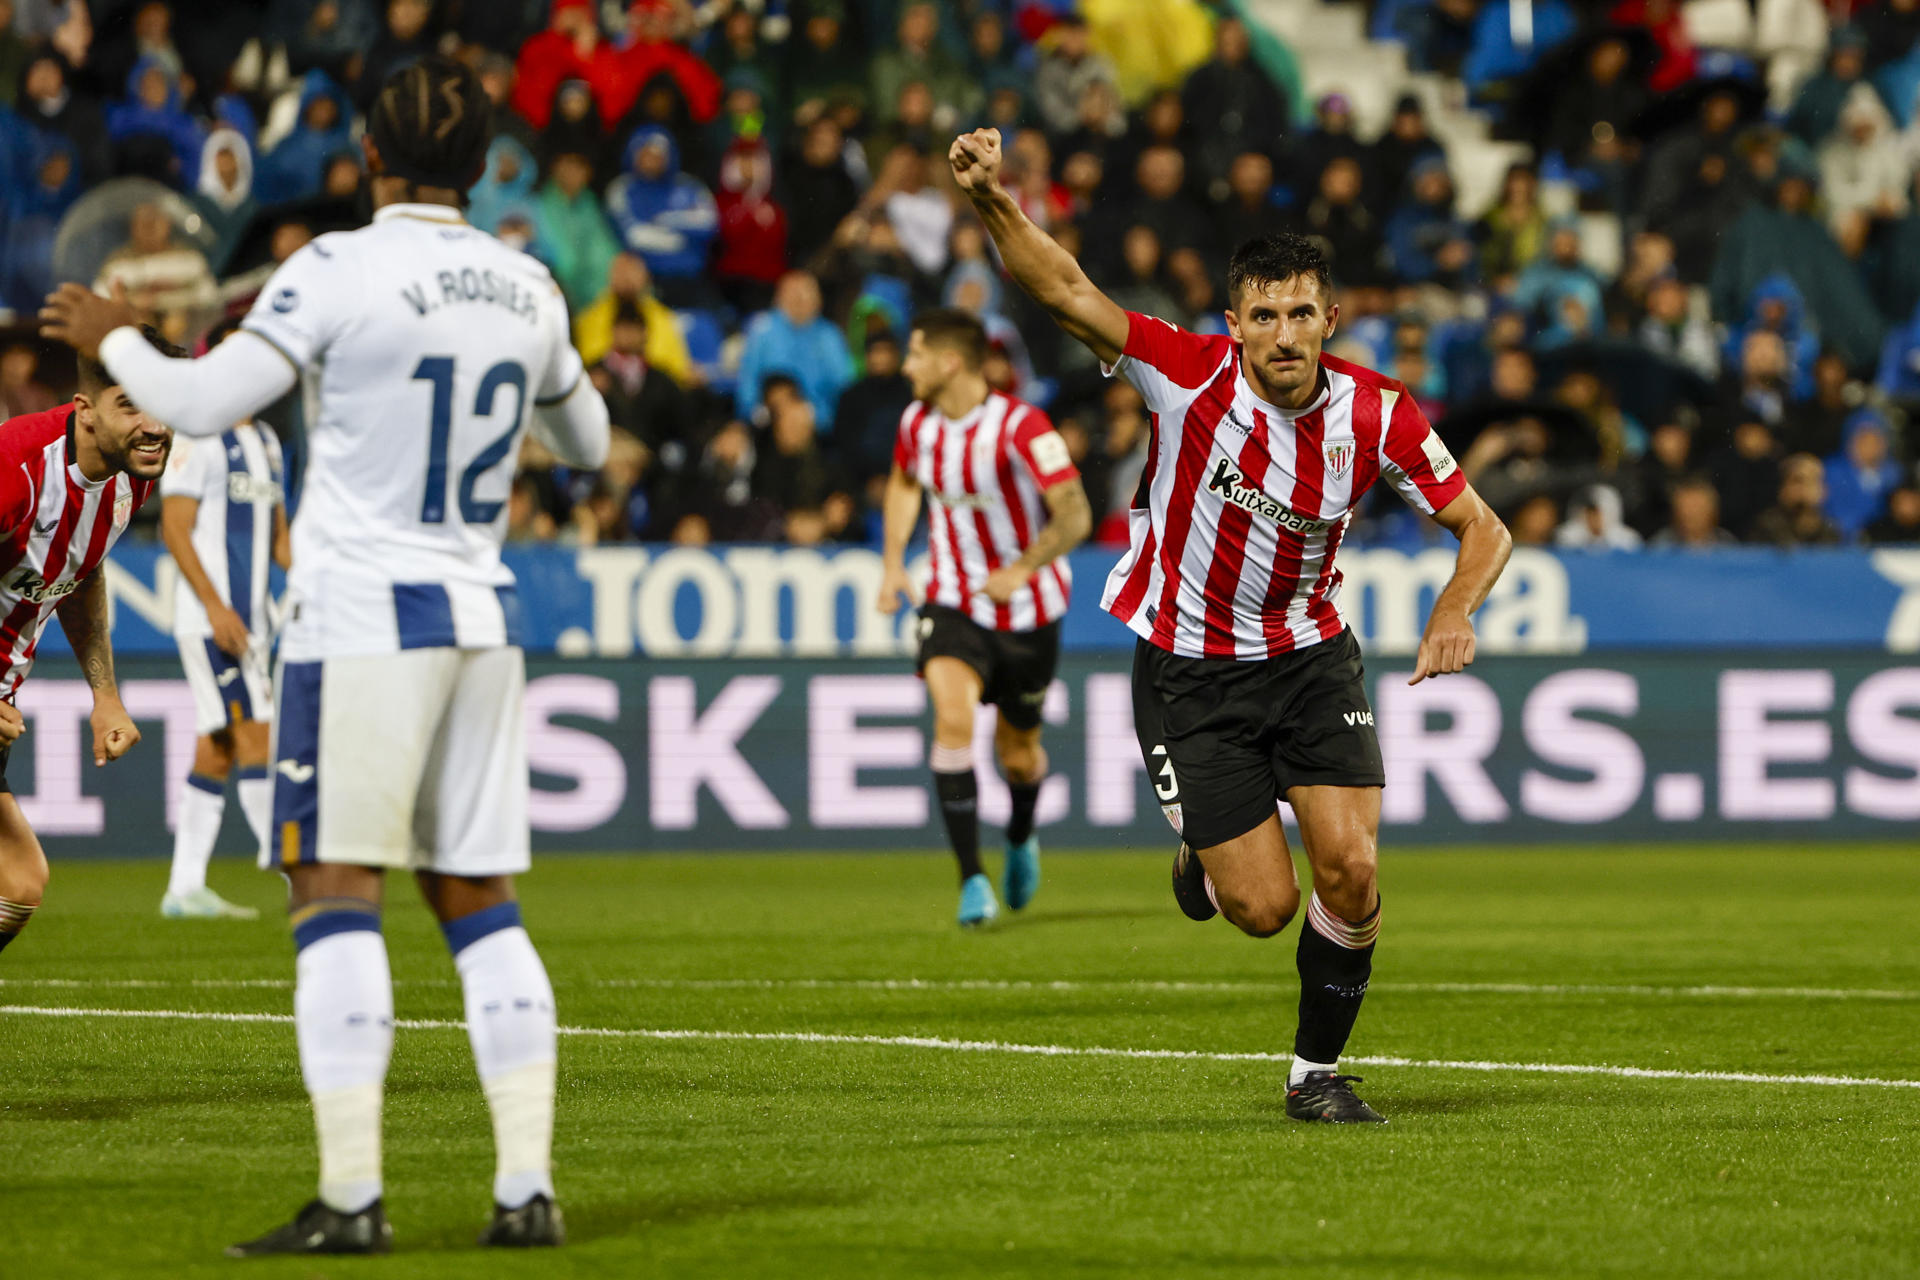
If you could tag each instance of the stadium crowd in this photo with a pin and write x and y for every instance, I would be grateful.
(1693, 318)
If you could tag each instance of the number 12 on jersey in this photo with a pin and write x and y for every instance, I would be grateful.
(438, 370)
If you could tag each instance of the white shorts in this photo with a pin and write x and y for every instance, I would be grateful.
(416, 759)
(226, 690)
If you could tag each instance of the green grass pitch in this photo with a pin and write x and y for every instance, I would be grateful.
(135, 1147)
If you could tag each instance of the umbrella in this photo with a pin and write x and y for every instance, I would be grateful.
(320, 214)
(1672, 110)
(1644, 383)
(1565, 65)
(1571, 434)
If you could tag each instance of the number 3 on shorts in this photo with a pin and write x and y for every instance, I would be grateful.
(1165, 785)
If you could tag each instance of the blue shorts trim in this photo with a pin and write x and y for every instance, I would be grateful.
(423, 615)
(296, 783)
(232, 683)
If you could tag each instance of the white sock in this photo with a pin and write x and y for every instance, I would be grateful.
(343, 1016)
(1301, 1066)
(511, 1022)
(203, 803)
(256, 801)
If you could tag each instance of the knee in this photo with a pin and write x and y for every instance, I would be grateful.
(1345, 884)
(24, 885)
(1023, 761)
(1258, 919)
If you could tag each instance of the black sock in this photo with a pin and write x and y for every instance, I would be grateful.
(1333, 980)
(1020, 823)
(960, 806)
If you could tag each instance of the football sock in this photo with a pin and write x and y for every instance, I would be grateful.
(256, 801)
(1020, 822)
(959, 793)
(202, 805)
(511, 1022)
(343, 1018)
(1335, 958)
(13, 918)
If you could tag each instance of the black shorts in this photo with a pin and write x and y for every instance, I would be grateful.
(1015, 666)
(6, 753)
(1223, 740)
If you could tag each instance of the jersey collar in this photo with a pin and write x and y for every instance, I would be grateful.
(421, 213)
(1322, 394)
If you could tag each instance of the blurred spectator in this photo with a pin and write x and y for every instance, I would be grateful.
(1139, 286)
(867, 418)
(571, 48)
(293, 169)
(48, 103)
(1759, 384)
(404, 38)
(1671, 328)
(629, 284)
(918, 57)
(1438, 35)
(321, 35)
(20, 388)
(794, 475)
(497, 80)
(1662, 19)
(159, 272)
(1249, 209)
(753, 228)
(1650, 480)
(1330, 139)
(1115, 458)
(793, 338)
(1797, 520)
(1514, 232)
(1559, 290)
(1776, 307)
(653, 53)
(1678, 164)
(527, 519)
(666, 216)
(920, 213)
(1816, 109)
(506, 185)
(1746, 470)
(152, 133)
(1028, 177)
(1784, 235)
(1593, 117)
(1511, 461)
(1068, 65)
(576, 229)
(1345, 229)
(1862, 474)
(816, 188)
(1162, 202)
(640, 399)
(225, 192)
(1242, 108)
(15, 51)
(574, 126)
(49, 184)
(1816, 425)
(1535, 522)
(1426, 241)
(1401, 148)
(826, 67)
(1864, 171)
(1496, 59)
(737, 47)
(1594, 522)
(716, 500)
(1695, 524)
(1901, 523)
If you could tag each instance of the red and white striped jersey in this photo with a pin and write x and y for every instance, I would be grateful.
(983, 475)
(1242, 506)
(55, 528)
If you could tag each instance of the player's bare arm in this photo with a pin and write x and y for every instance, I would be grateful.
(177, 515)
(282, 539)
(81, 318)
(1069, 521)
(83, 616)
(1045, 270)
(899, 510)
(1485, 545)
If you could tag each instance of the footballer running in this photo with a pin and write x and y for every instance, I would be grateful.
(1247, 683)
(1004, 506)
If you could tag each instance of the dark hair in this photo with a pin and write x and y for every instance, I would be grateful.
(432, 123)
(774, 381)
(952, 327)
(94, 377)
(1274, 257)
(627, 311)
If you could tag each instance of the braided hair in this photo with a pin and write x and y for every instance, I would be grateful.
(432, 123)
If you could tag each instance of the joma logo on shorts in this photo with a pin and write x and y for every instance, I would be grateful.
(1358, 717)
(1233, 486)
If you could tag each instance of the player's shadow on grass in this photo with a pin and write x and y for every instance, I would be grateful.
(1031, 919)
(598, 1219)
(1397, 1104)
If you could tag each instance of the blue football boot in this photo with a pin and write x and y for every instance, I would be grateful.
(977, 903)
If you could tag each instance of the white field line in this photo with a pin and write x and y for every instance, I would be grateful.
(1011, 1047)
(1064, 985)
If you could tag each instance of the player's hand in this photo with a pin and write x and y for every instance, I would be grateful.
(1446, 648)
(1002, 584)
(975, 158)
(894, 583)
(229, 632)
(79, 317)
(12, 724)
(113, 730)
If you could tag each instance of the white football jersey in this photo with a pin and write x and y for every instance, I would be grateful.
(423, 344)
(236, 479)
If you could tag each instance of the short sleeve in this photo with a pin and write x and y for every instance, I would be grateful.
(1168, 364)
(904, 449)
(564, 366)
(307, 303)
(1043, 449)
(16, 495)
(186, 473)
(1415, 459)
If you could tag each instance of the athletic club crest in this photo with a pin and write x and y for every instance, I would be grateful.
(122, 509)
(1339, 458)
